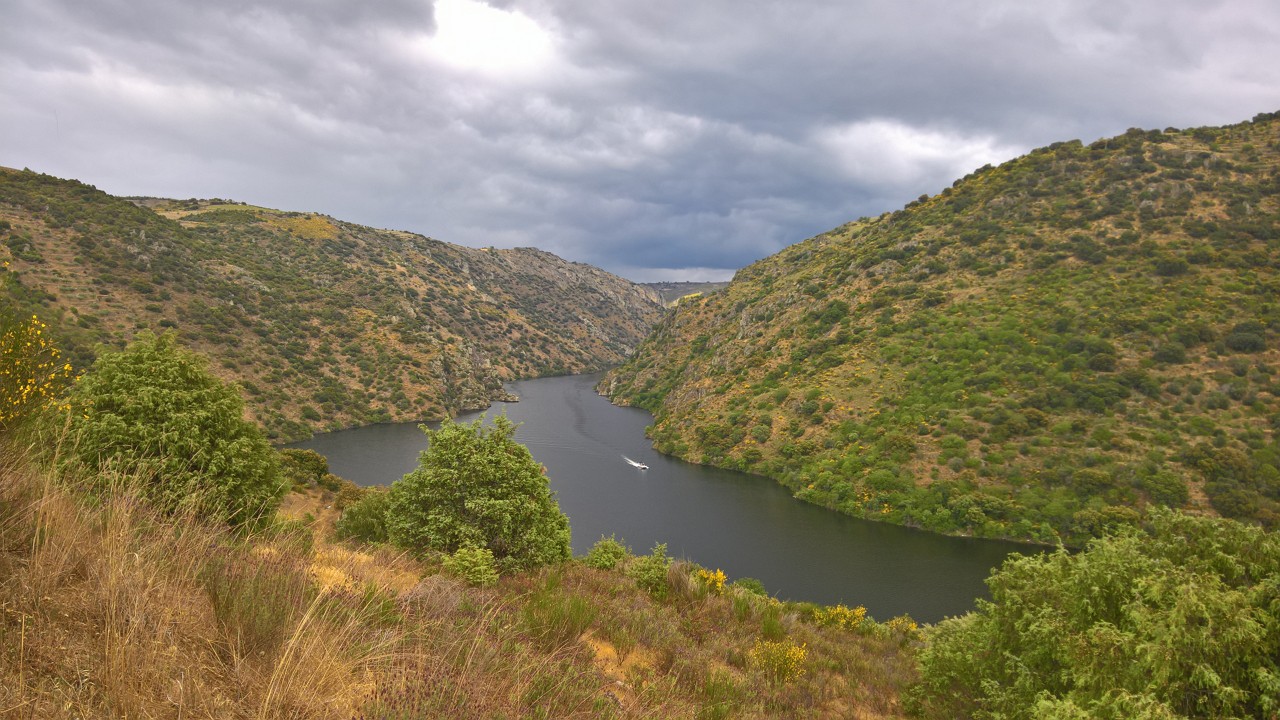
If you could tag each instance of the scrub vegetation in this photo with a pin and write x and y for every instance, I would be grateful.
(1043, 351)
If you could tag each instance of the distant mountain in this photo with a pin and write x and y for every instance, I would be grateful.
(673, 292)
(326, 324)
(1039, 351)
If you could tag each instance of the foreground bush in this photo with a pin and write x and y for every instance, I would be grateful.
(606, 553)
(366, 519)
(155, 412)
(1177, 620)
(477, 487)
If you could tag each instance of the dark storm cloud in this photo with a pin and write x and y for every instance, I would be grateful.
(656, 139)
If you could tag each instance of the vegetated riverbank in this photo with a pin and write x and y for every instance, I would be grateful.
(1044, 351)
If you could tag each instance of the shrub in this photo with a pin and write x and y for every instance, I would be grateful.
(1246, 342)
(712, 580)
(476, 487)
(303, 468)
(840, 616)
(155, 411)
(780, 662)
(650, 571)
(1166, 489)
(33, 372)
(751, 585)
(1178, 617)
(606, 553)
(366, 519)
(1173, 352)
(474, 565)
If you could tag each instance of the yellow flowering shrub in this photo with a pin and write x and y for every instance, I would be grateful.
(840, 616)
(714, 581)
(780, 662)
(906, 627)
(32, 371)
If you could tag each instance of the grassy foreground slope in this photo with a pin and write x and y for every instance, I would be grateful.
(1039, 351)
(324, 323)
(108, 610)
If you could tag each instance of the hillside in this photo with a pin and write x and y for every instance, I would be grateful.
(119, 611)
(325, 324)
(1039, 351)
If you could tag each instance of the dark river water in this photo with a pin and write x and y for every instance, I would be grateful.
(746, 525)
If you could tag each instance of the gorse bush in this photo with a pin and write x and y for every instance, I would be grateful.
(477, 487)
(32, 371)
(840, 616)
(153, 410)
(780, 662)
(1178, 619)
(713, 581)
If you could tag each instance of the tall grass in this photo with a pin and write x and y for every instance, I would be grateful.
(108, 609)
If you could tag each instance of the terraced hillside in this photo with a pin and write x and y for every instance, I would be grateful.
(325, 324)
(1039, 351)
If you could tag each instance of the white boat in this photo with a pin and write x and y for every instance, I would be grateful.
(634, 464)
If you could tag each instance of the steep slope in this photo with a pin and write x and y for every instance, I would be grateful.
(326, 324)
(1039, 351)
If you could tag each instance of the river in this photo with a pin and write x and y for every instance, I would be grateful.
(746, 525)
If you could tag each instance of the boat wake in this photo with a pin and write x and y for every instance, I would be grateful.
(635, 464)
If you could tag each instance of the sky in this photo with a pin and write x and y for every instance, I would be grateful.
(660, 140)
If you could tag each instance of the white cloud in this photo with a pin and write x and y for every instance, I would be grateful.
(890, 152)
(473, 36)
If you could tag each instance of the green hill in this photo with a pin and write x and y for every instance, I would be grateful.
(1039, 351)
(325, 324)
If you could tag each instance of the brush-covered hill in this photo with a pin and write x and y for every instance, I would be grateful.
(325, 324)
(1041, 350)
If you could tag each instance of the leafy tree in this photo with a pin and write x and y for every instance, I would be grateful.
(476, 487)
(1177, 619)
(154, 411)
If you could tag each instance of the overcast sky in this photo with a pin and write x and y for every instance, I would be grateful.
(657, 139)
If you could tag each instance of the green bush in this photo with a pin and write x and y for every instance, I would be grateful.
(365, 519)
(1178, 619)
(154, 411)
(1246, 342)
(606, 553)
(476, 487)
(1173, 352)
(303, 468)
(751, 585)
(474, 565)
(650, 571)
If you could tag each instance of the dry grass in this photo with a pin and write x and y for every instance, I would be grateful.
(108, 610)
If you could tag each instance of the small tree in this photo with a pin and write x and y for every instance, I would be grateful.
(155, 411)
(477, 487)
